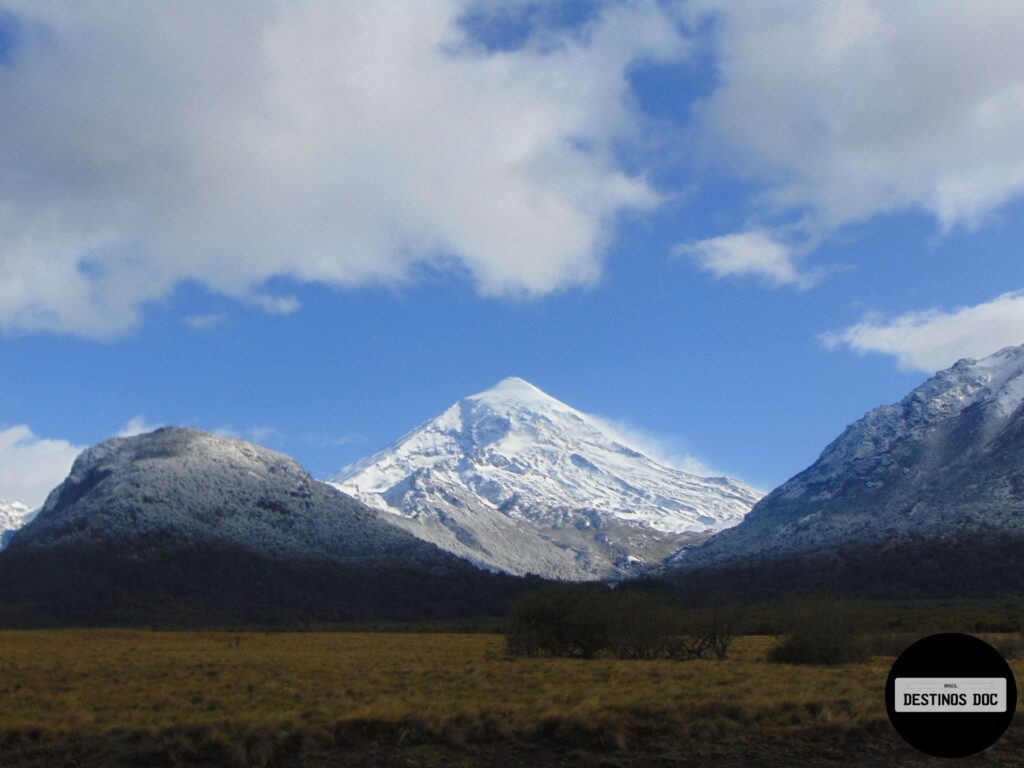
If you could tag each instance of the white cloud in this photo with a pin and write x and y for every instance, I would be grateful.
(204, 322)
(274, 305)
(32, 466)
(842, 110)
(147, 144)
(931, 340)
(756, 252)
(137, 426)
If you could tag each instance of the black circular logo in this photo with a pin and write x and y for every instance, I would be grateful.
(951, 695)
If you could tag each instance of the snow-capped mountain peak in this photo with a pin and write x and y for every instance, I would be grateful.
(516, 388)
(13, 515)
(514, 462)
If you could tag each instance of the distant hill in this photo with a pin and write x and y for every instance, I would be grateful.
(516, 480)
(922, 497)
(183, 527)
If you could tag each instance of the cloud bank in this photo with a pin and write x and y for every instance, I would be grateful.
(838, 111)
(144, 145)
(931, 340)
(345, 143)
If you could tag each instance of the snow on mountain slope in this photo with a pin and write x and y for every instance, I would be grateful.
(191, 486)
(13, 515)
(179, 527)
(946, 460)
(516, 480)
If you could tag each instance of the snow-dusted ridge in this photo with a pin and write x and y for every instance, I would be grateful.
(179, 527)
(516, 480)
(192, 487)
(947, 459)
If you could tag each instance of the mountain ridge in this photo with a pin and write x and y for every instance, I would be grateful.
(179, 526)
(516, 480)
(944, 464)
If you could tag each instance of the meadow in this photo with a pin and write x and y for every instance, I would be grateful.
(118, 697)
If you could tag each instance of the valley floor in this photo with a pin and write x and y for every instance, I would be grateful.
(109, 697)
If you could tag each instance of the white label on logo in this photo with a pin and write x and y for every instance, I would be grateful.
(950, 694)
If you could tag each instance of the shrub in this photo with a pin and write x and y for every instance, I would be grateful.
(710, 634)
(721, 628)
(820, 632)
(582, 622)
(559, 621)
(643, 627)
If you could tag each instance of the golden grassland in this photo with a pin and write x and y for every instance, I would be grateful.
(195, 688)
(138, 680)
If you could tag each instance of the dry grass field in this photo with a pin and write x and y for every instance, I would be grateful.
(110, 697)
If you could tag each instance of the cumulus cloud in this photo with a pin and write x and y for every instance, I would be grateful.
(31, 466)
(756, 252)
(934, 339)
(842, 110)
(146, 144)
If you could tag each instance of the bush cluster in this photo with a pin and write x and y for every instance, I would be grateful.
(821, 632)
(584, 623)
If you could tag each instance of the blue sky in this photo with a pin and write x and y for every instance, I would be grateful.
(732, 227)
